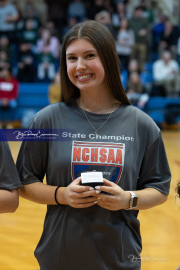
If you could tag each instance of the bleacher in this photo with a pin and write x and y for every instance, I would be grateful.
(35, 97)
(156, 107)
(31, 97)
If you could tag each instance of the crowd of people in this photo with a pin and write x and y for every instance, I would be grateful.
(147, 43)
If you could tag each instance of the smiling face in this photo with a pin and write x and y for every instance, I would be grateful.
(84, 67)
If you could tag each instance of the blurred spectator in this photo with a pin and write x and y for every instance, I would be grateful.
(5, 46)
(70, 23)
(133, 66)
(46, 67)
(104, 17)
(54, 90)
(134, 83)
(16, 5)
(58, 12)
(30, 10)
(137, 99)
(8, 19)
(29, 13)
(77, 9)
(168, 40)
(50, 25)
(4, 63)
(124, 42)
(147, 11)
(42, 9)
(96, 8)
(130, 7)
(29, 34)
(157, 32)
(108, 6)
(119, 14)
(50, 41)
(9, 90)
(26, 64)
(166, 76)
(136, 92)
(140, 26)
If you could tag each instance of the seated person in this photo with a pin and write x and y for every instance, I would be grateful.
(97, 6)
(133, 66)
(54, 90)
(134, 82)
(166, 76)
(4, 61)
(168, 40)
(70, 23)
(28, 34)
(29, 13)
(9, 180)
(157, 31)
(119, 14)
(136, 92)
(5, 46)
(26, 63)
(104, 17)
(52, 42)
(9, 89)
(46, 67)
(50, 25)
(137, 99)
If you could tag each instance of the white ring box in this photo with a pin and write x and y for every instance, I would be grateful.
(92, 179)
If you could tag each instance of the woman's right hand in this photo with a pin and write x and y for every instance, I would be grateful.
(76, 195)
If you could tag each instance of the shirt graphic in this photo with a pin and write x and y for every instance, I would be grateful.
(100, 156)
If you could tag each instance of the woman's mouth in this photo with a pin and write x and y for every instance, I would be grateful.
(84, 77)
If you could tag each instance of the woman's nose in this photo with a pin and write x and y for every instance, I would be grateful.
(81, 64)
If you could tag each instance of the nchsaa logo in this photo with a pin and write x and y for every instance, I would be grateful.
(99, 156)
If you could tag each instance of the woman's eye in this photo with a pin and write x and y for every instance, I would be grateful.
(90, 55)
(71, 58)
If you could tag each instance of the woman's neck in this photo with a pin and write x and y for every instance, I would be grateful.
(98, 104)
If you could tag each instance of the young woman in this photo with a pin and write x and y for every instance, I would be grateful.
(124, 43)
(9, 180)
(85, 228)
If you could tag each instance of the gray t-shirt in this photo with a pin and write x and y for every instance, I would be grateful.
(8, 10)
(128, 150)
(9, 178)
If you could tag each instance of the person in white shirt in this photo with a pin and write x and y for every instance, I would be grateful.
(166, 74)
(124, 43)
(8, 17)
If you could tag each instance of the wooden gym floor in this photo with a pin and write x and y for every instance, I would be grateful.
(160, 226)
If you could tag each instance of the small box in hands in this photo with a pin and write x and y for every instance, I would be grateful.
(92, 179)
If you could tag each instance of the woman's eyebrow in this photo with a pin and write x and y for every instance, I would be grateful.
(83, 52)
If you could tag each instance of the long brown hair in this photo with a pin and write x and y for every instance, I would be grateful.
(103, 41)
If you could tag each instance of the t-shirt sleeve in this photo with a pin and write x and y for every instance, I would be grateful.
(32, 160)
(9, 178)
(155, 172)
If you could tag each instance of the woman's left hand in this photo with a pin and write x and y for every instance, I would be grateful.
(118, 198)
